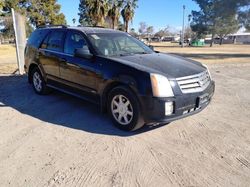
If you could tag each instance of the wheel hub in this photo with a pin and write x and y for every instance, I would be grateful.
(122, 109)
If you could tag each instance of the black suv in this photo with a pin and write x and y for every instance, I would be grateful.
(135, 84)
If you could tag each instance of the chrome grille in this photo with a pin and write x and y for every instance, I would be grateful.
(194, 83)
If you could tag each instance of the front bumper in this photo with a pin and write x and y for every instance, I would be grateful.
(184, 105)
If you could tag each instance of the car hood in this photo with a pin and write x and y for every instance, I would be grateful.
(169, 65)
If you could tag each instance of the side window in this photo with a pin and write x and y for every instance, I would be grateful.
(73, 41)
(55, 41)
(37, 37)
(45, 42)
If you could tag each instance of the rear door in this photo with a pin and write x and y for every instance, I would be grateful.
(50, 53)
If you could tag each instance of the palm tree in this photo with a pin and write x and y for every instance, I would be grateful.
(74, 20)
(128, 12)
(97, 11)
(114, 11)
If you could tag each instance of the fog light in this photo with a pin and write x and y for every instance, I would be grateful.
(169, 108)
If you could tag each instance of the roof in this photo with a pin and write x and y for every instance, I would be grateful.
(83, 29)
(241, 34)
(95, 30)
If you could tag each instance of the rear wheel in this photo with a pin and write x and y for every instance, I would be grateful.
(124, 109)
(38, 82)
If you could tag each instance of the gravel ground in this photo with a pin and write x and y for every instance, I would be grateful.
(58, 140)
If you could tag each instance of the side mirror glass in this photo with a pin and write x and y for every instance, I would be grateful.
(83, 53)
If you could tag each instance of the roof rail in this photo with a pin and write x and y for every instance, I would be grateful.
(91, 26)
(52, 26)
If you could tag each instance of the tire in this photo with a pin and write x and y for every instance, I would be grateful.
(38, 82)
(124, 109)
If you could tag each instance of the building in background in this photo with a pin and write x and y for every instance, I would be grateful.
(241, 38)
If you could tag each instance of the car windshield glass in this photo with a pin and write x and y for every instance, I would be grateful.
(118, 44)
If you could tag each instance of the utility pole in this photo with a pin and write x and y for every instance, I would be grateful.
(183, 25)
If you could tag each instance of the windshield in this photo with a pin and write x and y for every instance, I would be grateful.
(117, 44)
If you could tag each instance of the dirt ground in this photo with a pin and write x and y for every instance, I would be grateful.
(58, 140)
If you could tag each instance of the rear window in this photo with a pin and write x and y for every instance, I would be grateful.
(37, 37)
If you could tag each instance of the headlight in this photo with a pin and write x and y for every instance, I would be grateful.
(208, 71)
(161, 86)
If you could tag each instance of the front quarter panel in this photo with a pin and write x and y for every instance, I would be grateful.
(114, 72)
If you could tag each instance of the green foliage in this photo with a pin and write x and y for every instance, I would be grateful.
(38, 12)
(216, 17)
(100, 12)
(1, 5)
(128, 12)
(114, 11)
(44, 12)
(244, 19)
(93, 12)
(84, 13)
(7, 30)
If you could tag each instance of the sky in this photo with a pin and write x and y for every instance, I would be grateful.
(156, 13)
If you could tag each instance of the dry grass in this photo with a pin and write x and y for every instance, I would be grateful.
(8, 63)
(206, 54)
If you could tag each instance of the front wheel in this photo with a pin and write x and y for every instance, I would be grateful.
(124, 109)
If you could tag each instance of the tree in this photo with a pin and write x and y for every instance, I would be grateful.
(45, 12)
(6, 23)
(17, 5)
(93, 12)
(150, 30)
(142, 28)
(226, 26)
(1, 5)
(244, 19)
(213, 15)
(188, 33)
(7, 30)
(85, 18)
(120, 26)
(133, 33)
(128, 12)
(163, 32)
(38, 12)
(74, 21)
(114, 11)
(216, 17)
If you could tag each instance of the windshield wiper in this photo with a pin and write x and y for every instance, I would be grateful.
(141, 53)
(126, 54)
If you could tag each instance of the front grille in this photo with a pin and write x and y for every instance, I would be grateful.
(194, 83)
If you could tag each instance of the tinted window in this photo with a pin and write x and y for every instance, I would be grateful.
(55, 41)
(37, 37)
(73, 41)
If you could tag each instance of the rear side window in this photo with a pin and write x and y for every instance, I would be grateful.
(55, 41)
(73, 41)
(37, 37)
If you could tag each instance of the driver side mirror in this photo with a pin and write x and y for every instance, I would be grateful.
(151, 47)
(83, 53)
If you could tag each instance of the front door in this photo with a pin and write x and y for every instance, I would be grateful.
(77, 72)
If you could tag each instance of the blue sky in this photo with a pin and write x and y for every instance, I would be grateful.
(157, 13)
